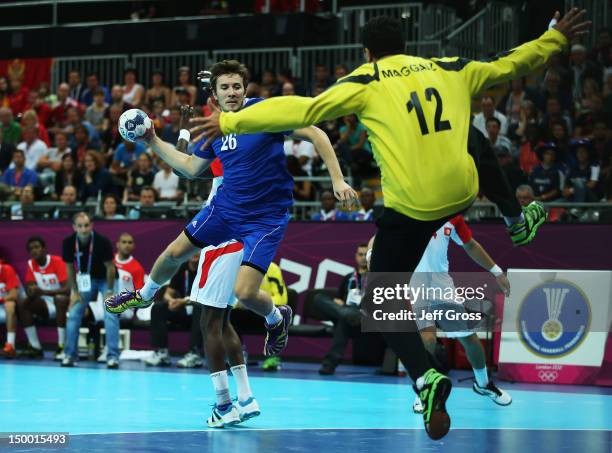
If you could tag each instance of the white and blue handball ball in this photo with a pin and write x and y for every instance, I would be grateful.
(133, 124)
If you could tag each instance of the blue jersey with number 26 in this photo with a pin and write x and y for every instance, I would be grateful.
(255, 176)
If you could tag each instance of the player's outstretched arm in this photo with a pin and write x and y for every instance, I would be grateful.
(484, 260)
(283, 113)
(324, 148)
(523, 59)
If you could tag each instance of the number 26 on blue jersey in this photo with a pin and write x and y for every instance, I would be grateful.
(229, 142)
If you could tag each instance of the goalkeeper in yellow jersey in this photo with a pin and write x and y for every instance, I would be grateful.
(417, 114)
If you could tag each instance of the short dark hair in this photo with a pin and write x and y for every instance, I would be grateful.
(383, 36)
(38, 239)
(227, 67)
(494, 120)
(362, 245)
(99, 92)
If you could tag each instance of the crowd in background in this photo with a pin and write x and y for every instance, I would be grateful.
(551, 134)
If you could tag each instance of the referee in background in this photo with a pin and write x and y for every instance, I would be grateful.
(417, 114)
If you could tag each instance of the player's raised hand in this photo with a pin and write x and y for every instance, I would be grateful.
(572, 25)
(345, 194)
(208, 126)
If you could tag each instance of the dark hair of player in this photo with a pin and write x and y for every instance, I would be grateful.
(494, 120)
(227, 67)
(38, 239)
(383, 36)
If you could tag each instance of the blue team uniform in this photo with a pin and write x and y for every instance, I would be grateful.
(252, 203)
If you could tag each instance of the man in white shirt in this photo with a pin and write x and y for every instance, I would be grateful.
(166, 183)
(33, 147)
(304, 151)
(487, 104)
(499, 142)
(52, 159)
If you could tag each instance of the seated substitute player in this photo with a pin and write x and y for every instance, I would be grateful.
(9, 289)
(432, 271)
(417, 114)
(251, 205)
(47, 296)
(130, 273)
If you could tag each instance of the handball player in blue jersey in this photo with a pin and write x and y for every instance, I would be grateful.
(252, 204)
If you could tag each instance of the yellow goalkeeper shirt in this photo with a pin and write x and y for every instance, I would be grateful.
(417, 113)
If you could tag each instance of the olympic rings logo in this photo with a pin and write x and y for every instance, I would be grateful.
(548, 376)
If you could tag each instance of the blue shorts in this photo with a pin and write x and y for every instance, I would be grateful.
(260, 236)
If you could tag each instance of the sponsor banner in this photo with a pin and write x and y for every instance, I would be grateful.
(555, 325)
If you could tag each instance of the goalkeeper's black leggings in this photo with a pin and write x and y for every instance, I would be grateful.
(400, 243)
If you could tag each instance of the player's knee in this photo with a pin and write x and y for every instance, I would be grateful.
(246, 292)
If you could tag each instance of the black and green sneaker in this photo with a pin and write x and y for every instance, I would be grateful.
(434, 393)
(271, 364)
(522, 233)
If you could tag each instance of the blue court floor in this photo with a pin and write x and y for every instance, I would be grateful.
(134, 409)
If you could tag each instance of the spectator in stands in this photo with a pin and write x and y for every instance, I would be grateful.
(246, 321)
(73, 123)
(89, 259)
(173, 308)
(147, 199)
(48, 291)
(368, 212)
(4, 92)
(524, 194)
(117, 101)
(93, 85)
(528, 157)
(18, 99)
(343, 310)
(589, 97)
(499, 142)
(9, 296)
(10, 127)
(510, 104)
(58, 119)
(332, 130)
(94, 114)
(158, 91)
(170, 132)
(130, 273)
(68, 175)
(69, 199)
(42, 109)
(602, 145)
(97, 179)
(328, 211)
(340, 71)
(288, 89)
(354, 146)
(601, 51)
(582, 181)
(167, 183)
(184, 81)
(529, 115)
(111, 138)
(6, 152)
(182, 96)
(302, 190)
(30, 119)
(553, 87)
(139, 177)
(487, 104)
(18, 175)
(110, 207)
(553, 113)
(546, 178)
(26, 198)
(125, 157)
(303, 151)
(513, 173)
(321, 78)
(560, 137)
(50, 98)
(581, 68)
(74, 83)
(269, 82)
(133, 92)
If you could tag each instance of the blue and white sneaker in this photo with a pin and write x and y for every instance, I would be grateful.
(247, 409)
(223, 416)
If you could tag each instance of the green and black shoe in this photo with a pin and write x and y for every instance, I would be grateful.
(434, 393)
(271, 364)
(523, 233)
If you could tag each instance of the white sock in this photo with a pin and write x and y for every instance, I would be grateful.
(32, 337)
(10, 338)
(512, 220)
(147, 292)
(221, 384)
(482, 377)
(242, 382)
(273, 317)
(61, 336)
(420, 382)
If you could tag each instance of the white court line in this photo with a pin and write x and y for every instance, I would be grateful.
(235, 430)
